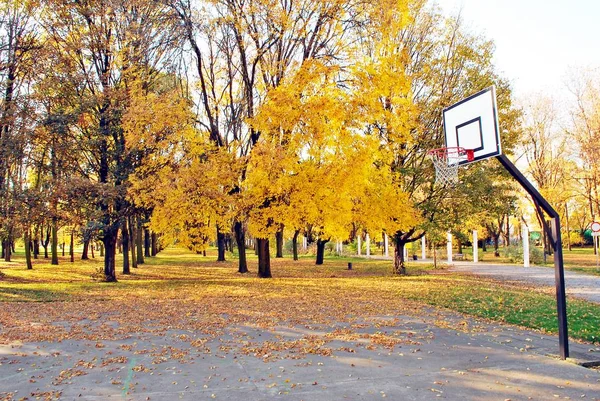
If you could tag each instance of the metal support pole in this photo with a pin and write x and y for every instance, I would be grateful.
(423, 248)
(559, 272)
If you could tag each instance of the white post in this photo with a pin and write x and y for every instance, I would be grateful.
(423, 248)
(359, 246)
(368, 245)
(525, 246)
(449, 247)
(304, 243)
(405, 252)
(475, 247)
(386, 245)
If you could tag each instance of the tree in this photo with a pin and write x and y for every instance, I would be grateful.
(104, 46)
(18, 43)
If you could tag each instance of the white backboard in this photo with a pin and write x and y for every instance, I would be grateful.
(472, 123)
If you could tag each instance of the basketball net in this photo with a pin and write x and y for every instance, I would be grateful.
(446, 162)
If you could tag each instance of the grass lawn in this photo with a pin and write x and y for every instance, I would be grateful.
(186, 284)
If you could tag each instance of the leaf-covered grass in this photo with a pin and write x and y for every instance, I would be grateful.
(297, 289)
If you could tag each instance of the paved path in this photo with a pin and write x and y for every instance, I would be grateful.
(577, 284)
(428, 356)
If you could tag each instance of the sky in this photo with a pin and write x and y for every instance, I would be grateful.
(537, 41)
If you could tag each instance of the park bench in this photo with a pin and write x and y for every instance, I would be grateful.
(458, 256)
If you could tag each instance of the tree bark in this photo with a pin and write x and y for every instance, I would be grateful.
(264, 258)
(110, 249)
(220, 246)
(154, 246)
(125, 236)
(321, 251)
(295, 244)
(54, 244)
(28, 249)
(139, 244)
(86, 246)
(238, 229)
(147, 243)
(72, 246)
(132, 236)
(399, 262)
(279, 243)
(36, 243)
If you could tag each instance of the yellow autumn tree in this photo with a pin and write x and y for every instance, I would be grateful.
(317, 167)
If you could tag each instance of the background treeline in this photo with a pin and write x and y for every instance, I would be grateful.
(211, 121)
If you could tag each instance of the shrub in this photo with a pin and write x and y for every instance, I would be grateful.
(514, 253)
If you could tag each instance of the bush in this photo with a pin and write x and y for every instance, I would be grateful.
(514, 253)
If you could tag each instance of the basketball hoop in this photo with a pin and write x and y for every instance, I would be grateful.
(446, 162)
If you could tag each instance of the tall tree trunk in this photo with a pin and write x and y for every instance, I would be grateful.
(147, 243)
(132, 236)
(28, 249)
(72, 246)
(496, 244)
(238, 229)
(154, 244)
(54, 244)
(295, 244)
(279, 243)
(36, 243)
(46, 241)
(139, 242)
(459, 244)
(86, 246)
(264, 258)
(63, 248)
(125, 239)
(101, 249)
(110, 249)
(8, 248)
(220, 246)
(321, 251)
(92, 245)
(399, 262)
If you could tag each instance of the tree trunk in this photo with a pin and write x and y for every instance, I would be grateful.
(459, 244)
(63, 248)
(139, 244)
(295, 244)
(110, 249)
(92, 249)
(132, 236)
(102, 249)
(86, 246)
(321, 251)
(147, 243)
(496, 244)
(28, 249)
(8, 249)
(154, 246)
(125, 240)
(36, 244)
(238, 229)
(220, 246)
(264, 258)
(54, 244)
(279, 243)
(72, 246)
(484, 245)
(399, 262)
